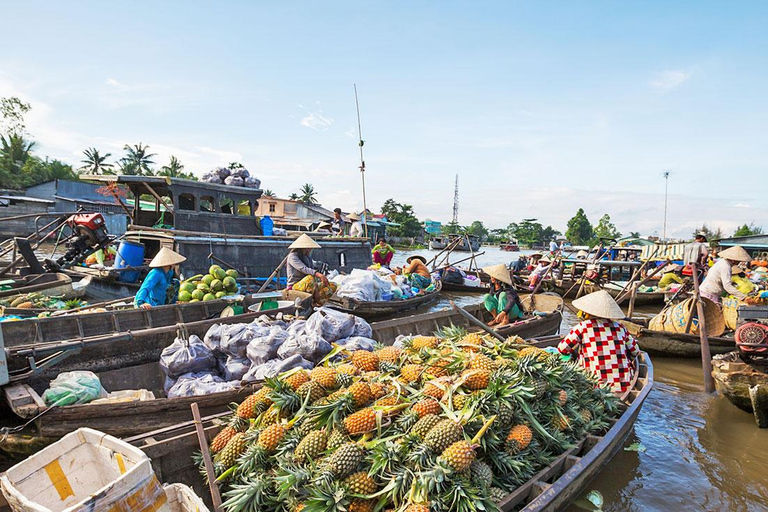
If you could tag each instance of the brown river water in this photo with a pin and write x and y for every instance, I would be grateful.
(700, 451)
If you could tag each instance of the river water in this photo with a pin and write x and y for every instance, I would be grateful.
(698, 451)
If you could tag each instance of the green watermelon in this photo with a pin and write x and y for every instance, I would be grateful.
(184, 296)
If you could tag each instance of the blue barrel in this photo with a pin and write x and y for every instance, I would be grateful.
(266, 225)
(129, 254)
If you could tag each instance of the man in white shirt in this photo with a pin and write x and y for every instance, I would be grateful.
(697, 251)
(718, 280)
(356, 229)
(552, 246)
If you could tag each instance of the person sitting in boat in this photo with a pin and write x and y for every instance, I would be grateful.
(323, 227)
(382, 253)
(718, 281)
(537, 274)
(521, 264)
(160, 286)
(669, 276)
(337, 224)
(533, 260)
(502, 301)
(302, 275)
(604, 347)
(356, 229)
(417, 272)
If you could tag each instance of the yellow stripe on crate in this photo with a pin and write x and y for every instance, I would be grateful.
(59, 480)
(120, 463)
(149, 497)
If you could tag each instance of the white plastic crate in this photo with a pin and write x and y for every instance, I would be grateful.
(181, 498)
(86, 470)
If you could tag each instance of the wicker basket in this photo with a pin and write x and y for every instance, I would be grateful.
(543, 302)
(731, 311)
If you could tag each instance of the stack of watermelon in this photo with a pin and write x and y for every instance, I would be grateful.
(216, 284)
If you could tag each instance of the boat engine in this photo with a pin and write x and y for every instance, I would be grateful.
(89, 234)
(752, 333)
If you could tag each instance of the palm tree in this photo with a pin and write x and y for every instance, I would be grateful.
(294, 197)
(137, 161)
(268, 193)
(96, 163)
(307, 194)
(173, 169)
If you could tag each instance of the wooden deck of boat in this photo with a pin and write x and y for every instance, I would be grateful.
(377, 309)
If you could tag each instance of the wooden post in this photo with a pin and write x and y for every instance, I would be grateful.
(475, 321)
(273, 274)
(706, 357)
(631, 308)
(212, 485)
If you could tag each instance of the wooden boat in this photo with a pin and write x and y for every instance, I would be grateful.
(52, 285)
(745, 384)
(463, 288)
(672, 344)
(370, 309)
(469, 243)
(134, 417)
(509, 247)
(549, 490)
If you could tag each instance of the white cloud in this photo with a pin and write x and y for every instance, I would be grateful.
(668, 80)
(317, 121)
(224, 156)
(114, 83)
(741, 205)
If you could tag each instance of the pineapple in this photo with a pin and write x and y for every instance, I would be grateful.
(411, 373)
(425, 407)
(336, 438)
(311, 446)
(358, 505)
(365, 361)
(347, 369)
(345, 460)
(271, 436)
(422, 342)
(311, 388)
(482, 362)
(255, 404)
(424, 425)
(389, 354)
(378, 389)
(562, 398)
(387, 401)
(438, 368)
(540, 386)
(235, 447)
(518, 439)
(297, 379)
(360, 483)
(222, 438)
(476, 379)
(417, 508)
(481, 473)
(586, 416)
(442, 435)
(324, 376)
(497, 495)
(361, 394)
(360, 422)
(459, 455)
(472, 342)
(561, 422)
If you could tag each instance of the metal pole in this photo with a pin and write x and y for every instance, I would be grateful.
(666, 189)
(360, 143)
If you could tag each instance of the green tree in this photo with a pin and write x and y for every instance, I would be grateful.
(402, 214)
(452, 228)
(549, 233)
(748, 230)
(96, 163)
(268, 193)
(137, 160)
(175, 169)
(58, 170)
(478, 229)
(606, 229)
(634, 234)
(15, 151)
(12, 111)
(528, 232)
(294, 196)
(307, 194)
(579, 230)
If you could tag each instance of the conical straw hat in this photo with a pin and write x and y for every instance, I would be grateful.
(166, 257)
(304, 242)
(735, 253)
(599, 304)
(500, 272)
(353, 216)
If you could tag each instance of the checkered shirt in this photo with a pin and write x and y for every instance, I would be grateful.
(605, 348)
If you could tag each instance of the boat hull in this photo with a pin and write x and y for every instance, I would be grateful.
(669, 344)
(744, 385)
(372, 310)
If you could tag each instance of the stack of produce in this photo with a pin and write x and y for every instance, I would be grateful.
(452, 422)
(39, 301)
(217, 283)
(235, 176)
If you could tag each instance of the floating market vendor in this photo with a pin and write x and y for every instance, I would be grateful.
(382, 253)
(356, 229)
(521, 264)
(604, 346)
(696, 252)
(323, 227)
(417, 272)
(302, 275)
(160, 286)
(533, 260)
(502, 302)
(537, 274)
(669, 275)
(718, 280)
(337, 224)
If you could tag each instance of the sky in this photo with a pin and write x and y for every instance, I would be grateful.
(541, 108)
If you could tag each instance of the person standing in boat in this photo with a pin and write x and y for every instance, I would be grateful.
(382, 253)
(719, 278)
(696, 252)
(521, 264)
(302, 275)
(356, 229)
(337, 224)
(604, 347)
(502, 301)
(160, 287)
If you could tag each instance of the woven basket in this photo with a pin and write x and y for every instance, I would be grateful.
(731, 311)
(712, 314)
(543, 302)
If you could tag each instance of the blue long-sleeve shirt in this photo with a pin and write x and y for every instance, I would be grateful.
(154, 288)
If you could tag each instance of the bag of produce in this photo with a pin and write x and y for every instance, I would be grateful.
(212, 338)
(236, 337)
(252, 182)
(202, 383)
(235, 368)
(79, 387)
(275, 367)
(362, 328)
(187, 356)
(330, 325)
(296, 327)
(264, 348)
(223, 172)
(309, 346)
(241, 173)
(357, 343)
(233, 181)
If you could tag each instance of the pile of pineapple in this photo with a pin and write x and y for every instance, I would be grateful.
(36, 300)
(453, 421)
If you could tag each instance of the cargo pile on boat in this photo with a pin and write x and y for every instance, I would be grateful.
(217, 283)
(453, 421)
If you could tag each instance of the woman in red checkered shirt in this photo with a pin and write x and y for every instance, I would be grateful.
(604, 346)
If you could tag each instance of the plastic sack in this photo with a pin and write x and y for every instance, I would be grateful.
(168, 383)
(79, 387)
(264, 348)
(252, 182)
(235, 368)
(187, 356)
(203, 383)
(357, 343)
(236, 337)
(241, 173)
(362, 328)
(212, 338)
(400, 341)
(296, 327)
(275, 367)
(222, 172)
(330, 325)
(233, 181)
(309, 346)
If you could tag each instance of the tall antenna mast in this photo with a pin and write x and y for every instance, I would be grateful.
(456, 202)
(666, 174)
(361, 143)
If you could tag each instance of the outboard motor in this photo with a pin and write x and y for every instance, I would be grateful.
(752, 333)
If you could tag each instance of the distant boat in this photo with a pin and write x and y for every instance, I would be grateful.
(510, 246)
(439, 243)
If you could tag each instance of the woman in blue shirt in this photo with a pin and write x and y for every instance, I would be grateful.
(154, 289)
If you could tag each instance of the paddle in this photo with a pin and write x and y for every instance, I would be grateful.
(212, 485)
(474, 321)
(706, 356)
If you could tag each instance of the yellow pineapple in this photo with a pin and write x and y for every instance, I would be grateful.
(360, 422)
(324, 376)
(365, 361)
(361, 393)
(519, 438)
(459, 455)
(425, 407)
(389, 354)
(411, 372)
(476, 379)
(297, 379)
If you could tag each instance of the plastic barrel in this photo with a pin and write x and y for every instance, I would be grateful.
(129, 254)
(267, 224)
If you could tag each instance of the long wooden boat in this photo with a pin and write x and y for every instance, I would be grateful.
(52, 285)
(744, 384)
(670, 344)
(377, 309)
(463, 288)
(549, 490)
